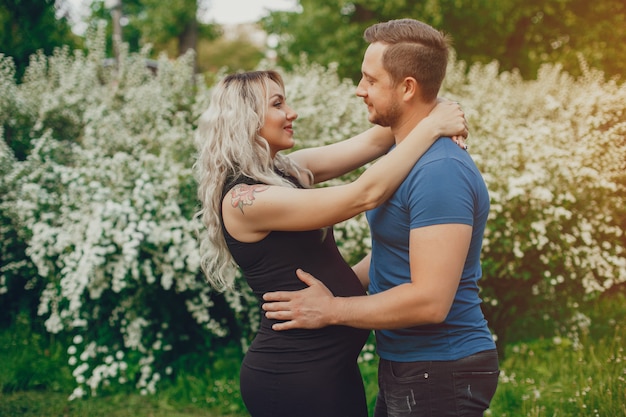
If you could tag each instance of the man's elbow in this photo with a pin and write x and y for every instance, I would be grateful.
(374, 197)
(436, 315)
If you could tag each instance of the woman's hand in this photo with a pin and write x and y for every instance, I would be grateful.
(460, 140)
(449, 117)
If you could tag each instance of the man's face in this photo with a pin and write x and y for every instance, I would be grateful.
(377, 90)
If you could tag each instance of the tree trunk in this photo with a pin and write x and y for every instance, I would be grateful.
(188, 39)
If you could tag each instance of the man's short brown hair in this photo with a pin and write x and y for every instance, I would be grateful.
(415, 49)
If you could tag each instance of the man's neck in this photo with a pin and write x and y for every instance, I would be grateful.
(412, 118)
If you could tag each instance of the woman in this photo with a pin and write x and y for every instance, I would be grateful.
(260, 212)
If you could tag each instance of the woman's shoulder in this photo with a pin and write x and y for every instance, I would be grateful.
(234, 180)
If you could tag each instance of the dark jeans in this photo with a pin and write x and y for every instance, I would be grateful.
(461, 388)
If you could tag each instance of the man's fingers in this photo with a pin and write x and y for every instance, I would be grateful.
(275, 306)
(289, 306)
(305, 277)
(279, 315)
(287, 325)
(277, 296)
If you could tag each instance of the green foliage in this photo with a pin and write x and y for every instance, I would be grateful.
(170, 26)
(47, 404)
(131, 33)
(14, 116)
(27, 26)
(324, 32)
(32, 359)
(37, 379)
(215, 386)
(308, 34)
(229, 55)
(519, 34)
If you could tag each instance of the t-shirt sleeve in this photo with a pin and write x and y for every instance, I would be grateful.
(441, 193)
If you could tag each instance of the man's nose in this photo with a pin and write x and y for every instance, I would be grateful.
(360, 91)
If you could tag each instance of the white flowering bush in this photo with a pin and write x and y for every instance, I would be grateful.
(97, 218)
(553, 154)
(97, 202)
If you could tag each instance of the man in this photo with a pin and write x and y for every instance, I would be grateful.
(437, 355)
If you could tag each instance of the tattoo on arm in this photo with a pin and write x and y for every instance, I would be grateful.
(243, 194)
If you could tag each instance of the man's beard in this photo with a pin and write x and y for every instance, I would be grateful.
(387, 118)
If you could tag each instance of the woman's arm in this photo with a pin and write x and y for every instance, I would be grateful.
(250, 212)
(331, 161)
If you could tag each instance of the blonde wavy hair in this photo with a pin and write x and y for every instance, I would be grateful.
(229, 146)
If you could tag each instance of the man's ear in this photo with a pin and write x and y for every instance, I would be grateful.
(410, 89)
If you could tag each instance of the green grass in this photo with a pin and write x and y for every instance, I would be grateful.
(555, 378)
(36, 381)
(53, 404)
(582, 373)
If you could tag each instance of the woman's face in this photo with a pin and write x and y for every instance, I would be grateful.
(278, 127)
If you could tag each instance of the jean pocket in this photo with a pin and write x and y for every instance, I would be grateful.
(474, 391)
(409, 372)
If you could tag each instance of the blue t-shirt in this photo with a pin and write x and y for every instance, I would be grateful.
(443, 187)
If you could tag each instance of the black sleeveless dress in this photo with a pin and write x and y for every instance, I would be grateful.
(299, 373)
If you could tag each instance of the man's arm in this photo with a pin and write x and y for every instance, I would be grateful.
(437, 257)
(336, 159)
